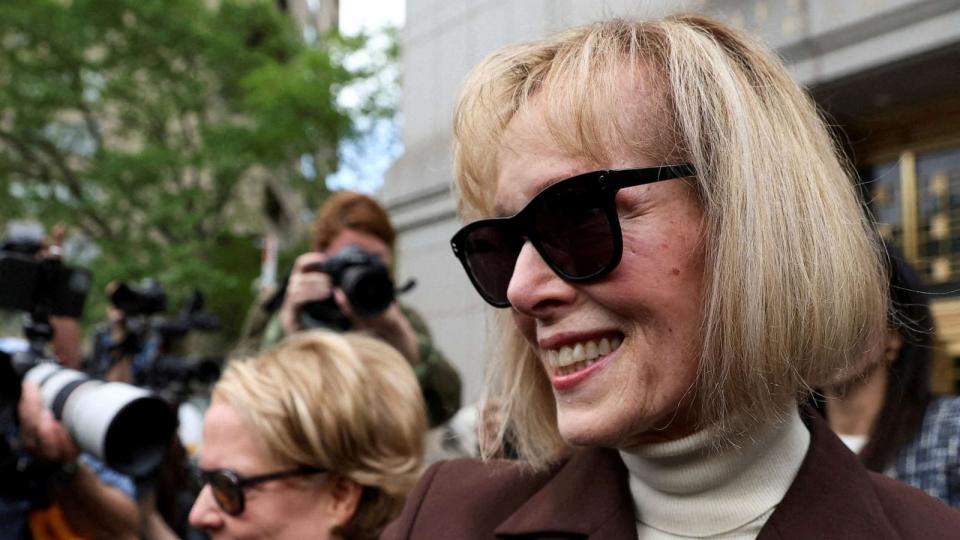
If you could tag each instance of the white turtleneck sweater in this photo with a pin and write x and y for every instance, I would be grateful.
(688, 489)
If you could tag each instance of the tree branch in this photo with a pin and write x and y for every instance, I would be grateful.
(89, 120)
(66, 176)
(44, 175)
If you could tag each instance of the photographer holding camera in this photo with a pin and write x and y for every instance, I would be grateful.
(344, 284)
(70, 444)
(83, 501)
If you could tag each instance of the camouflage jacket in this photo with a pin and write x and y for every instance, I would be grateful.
(439, 380)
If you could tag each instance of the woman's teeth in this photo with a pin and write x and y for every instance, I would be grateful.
(572, 358)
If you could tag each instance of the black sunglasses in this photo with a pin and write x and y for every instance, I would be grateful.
(573, 225)
(227, 485)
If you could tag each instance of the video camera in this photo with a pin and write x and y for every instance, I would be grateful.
(365, 280)
(153, 337)
(166, 369)
(148, 299)
(32, 284)
(125, 426)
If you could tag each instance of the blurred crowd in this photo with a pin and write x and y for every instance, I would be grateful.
(358, 413)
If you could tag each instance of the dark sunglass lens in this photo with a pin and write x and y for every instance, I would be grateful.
(574, 230)
(491, 256)
(227, 493)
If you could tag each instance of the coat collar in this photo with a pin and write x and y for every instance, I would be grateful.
(588, 496)
(832, 493)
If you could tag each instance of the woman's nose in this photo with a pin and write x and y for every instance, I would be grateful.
(534, 288)
(205, 514)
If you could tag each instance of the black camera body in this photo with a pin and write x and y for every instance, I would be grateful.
(45, 285)
(169, 373)
(148, 299)
(364, 279)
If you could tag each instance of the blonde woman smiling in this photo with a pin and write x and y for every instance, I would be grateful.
(678, 253)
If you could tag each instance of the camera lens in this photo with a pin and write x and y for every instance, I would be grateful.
(125, 426)
(369, 289)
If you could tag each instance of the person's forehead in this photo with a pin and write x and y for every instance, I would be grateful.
(545, 141)
(522, 174)
(365, 241)
(229, 442)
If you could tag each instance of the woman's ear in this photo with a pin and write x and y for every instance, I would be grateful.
(892, 345)
(344, 498)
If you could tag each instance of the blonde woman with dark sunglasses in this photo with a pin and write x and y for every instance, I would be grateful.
(679, 254)
(320, 437)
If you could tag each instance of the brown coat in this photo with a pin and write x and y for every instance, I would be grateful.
(587, 496)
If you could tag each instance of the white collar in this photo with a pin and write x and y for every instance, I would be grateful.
(689, 488)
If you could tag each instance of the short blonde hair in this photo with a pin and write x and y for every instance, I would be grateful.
(793, 285)
(348, 404)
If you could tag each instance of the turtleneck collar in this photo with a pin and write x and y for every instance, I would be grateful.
(690, 488)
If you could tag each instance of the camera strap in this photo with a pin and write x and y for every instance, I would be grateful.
(407, 287)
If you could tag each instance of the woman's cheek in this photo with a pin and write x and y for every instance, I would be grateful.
(527, 326)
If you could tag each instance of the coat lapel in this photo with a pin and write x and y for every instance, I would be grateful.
(832, 494)
(589, 497)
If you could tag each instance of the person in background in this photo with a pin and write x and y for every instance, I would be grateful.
(680, 255)
(353, 219)
(320, 437)
(887, 413)
(109, 359)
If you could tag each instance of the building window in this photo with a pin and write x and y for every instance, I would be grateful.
(885, 202)
(916, 202)
(938, 232)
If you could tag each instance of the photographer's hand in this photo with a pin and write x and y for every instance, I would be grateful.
(303, 287)
(42, 435)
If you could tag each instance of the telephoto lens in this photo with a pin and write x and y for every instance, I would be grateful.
(127, 427)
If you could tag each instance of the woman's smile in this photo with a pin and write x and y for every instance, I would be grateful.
(597, 355)
(571, 359)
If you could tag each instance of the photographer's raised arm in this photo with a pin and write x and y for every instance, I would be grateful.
(391, 326)
(90, 507)
(67, 342)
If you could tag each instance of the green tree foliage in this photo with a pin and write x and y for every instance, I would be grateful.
(138, 122)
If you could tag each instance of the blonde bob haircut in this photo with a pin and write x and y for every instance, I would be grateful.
(348, 404)
(793, 288)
